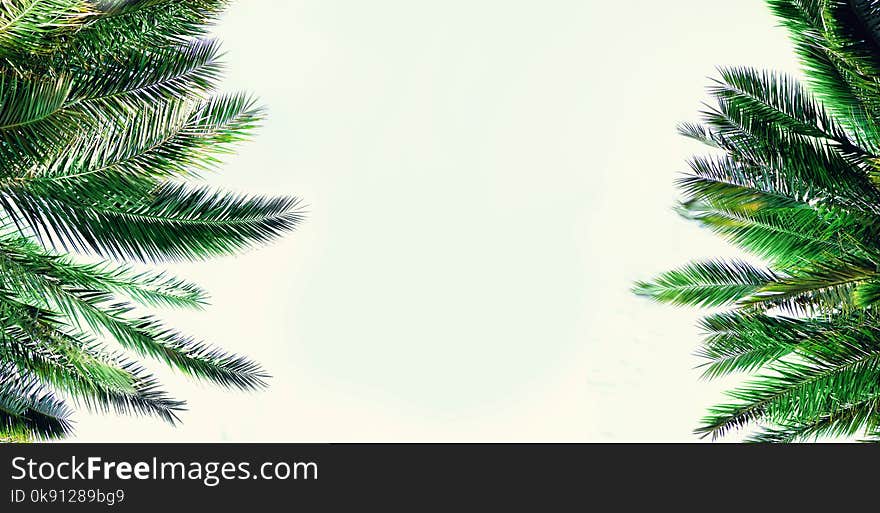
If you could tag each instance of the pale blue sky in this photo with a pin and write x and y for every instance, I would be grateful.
(485, 178)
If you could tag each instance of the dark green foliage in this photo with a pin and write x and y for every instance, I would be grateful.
(793, 178)
(108, 109)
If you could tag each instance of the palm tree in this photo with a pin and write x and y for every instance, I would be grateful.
(792, 177)
(108, 112)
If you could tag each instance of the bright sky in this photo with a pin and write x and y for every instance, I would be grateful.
(485, 179)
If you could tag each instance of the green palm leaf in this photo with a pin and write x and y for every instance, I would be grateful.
(708, 284)
(36, 26)
(28, 410)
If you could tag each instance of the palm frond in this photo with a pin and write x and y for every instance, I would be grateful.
(28, 410)
(37, 26)
(142, 80)
(173, 222)
(707, 284)
(799, 389)
(773, 101)
(746, 341)
(123, 25)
